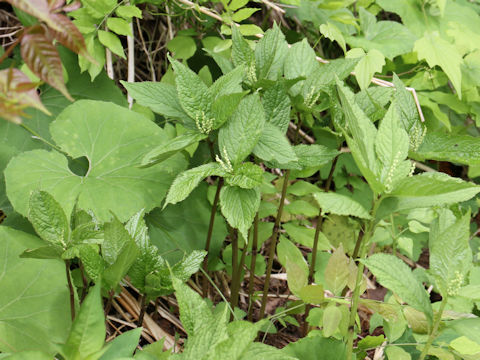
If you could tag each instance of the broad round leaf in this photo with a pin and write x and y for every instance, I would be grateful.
(114, 140)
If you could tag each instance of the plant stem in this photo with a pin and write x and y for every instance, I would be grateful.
(39, 137)
(108, 306)
(252, 268)
(143, 307)
(318, 229)
(234, 236)
(436, 324)
(360, 250)
(238, 280)
(71, 290)
(273, 244)
(205, 285)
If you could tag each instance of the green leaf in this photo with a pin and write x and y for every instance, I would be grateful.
(304, 236)
(119, 26)
(188, 180)
(424, 190)
(112, 42)
(391, 38)
(242, 54)
(27, 355)
(292, 260)
(87, 335)
(228, 84)
(333, 33)
(364, 136)
(171, 147)
(43, 252)
(224, 106)
(391, 147)
(337, 271)
(314, 155)
(159, 97)
(182, 47)
(299, 62)
(114, 140)
(123, 346)
(450, 253)
(128, 11)
(243, 14)
(239, 207)
(331, 320)
(338, 204)
(437, 51)
(274, 146)
(246, 175)
(368, 65)
(461, 149)
(277, 106)
(192, 92)
(312, 294)
(147, 262)
(397, 353)
(395, 275)
(34, 305)
(240, 134)
(48, 218)
(270, 54)
(316, 348)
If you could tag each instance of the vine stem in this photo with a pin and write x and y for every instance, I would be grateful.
(360, 249)
(205, 285)
(273, 244)
(318, 229)
(436, 324)
(70, 288)
(253, 261)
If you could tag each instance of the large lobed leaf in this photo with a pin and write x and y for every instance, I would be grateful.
(114, 140)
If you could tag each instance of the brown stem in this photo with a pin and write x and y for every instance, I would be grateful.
(252, 268)
(273, 244)
(108, 306)
(71, 290)
(205, 284)
(143, 307)
(238, 281)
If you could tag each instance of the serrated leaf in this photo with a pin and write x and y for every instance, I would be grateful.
(339, 204)
(273, 145)
(119, 26)
(188, 180)
(192, 92)
(48, 218)
(70, 36)
(427, 189)
(299, 62)
(330, 31)
(112, 42)
(242, 54)
(42, 58)
(396, 276)
(171, 147)
(114, 140)
(34, 306)
(159, 97)
(87, 335)
(277, 107)
(246, 175)
(224, 106)
(241, 133)
(227, 84)
(239, 207)
(450, 253)
(270, 54)
(408, 112)
(438, 51)
(461, 149)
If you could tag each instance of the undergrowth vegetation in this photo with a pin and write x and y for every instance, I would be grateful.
(197, 181)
